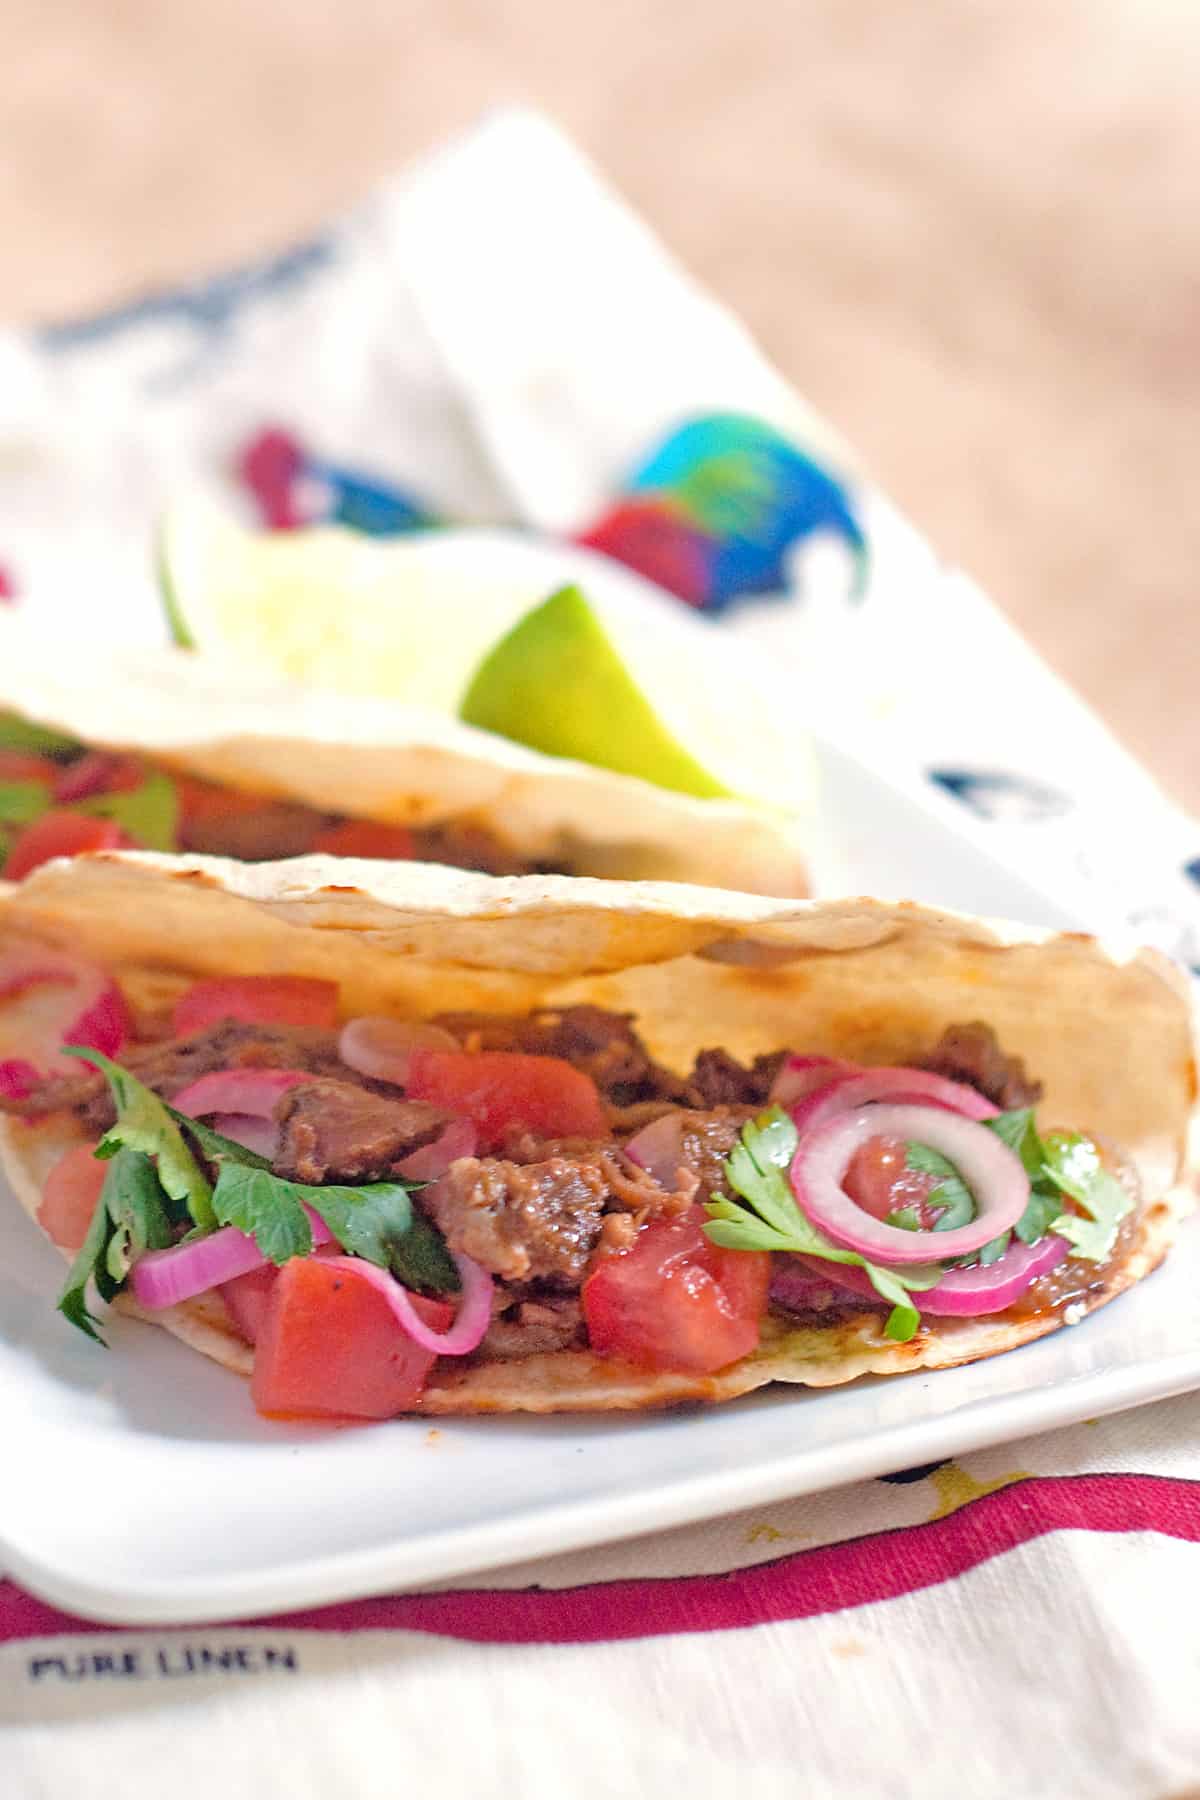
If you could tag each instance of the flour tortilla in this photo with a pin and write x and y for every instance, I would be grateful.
(1107, 1027)
(402, 764)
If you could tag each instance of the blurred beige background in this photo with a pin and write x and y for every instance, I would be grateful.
(968, 229)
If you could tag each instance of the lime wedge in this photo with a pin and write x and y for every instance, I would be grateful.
(328, 606)
(624, 680)
(557, 683)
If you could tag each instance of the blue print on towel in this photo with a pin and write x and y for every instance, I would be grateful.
(1002, 797)
(718, 508)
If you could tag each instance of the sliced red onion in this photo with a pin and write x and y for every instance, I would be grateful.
(966, 1293)
(63, 1001)
(902, 1087)
(381, 1047)
(658, 1148)
(460, 1138)
(254, 1093)
(17, 1078)
(474, 1306)
(165, 1277)
(963, 1293)
(993, 1172)
(800, 1076)
(259, 1135)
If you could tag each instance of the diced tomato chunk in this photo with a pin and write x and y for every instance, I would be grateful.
(366, 837)
(23, 765)
(499, 1088)
(247, 1297)
(879, 1180)
(61, 834)
(329, 1347)
(257, 1000)
(98, 772)
(201, 801)
(69, 1196)
(675, 1300)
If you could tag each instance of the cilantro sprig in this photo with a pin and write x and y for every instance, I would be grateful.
(771, 1219)
(144, 1123)
(156, 1194)
(767, 1217)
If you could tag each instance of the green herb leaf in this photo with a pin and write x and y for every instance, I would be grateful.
(1019, 1131)
(377, 1222)
(1039, 1215)
(18, 733)
(148, 813)
(90, 1263)
(757, 1170)
(1073, 1164)
(214, 1147)
(951, 1195)
(993, 1251)
(145, 1123)
(380, 1223)
(23, 801)
(905, 1218)
(134, 1198)
(267, 1208)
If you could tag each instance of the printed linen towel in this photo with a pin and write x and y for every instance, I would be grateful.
(495, 339)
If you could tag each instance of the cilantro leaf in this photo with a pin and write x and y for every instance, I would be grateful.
(145, 1123)
(266, 1208)
(19, 733)
(1039, 1215)
(214, 1147)
(1072, 1163)
(129, 1217)
(377, 1222)
(951, 1194)
(756, 1169)
(1018, 1130)
(148, 813)
(133, 1195)
(22, 801)
(90, 1263)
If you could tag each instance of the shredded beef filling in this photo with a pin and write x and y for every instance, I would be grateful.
(335, 1131)
(171, 1066)
(971, 1054)
(536, 1214)
(522, 1221)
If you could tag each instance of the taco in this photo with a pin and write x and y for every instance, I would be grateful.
(394, 1139)
(165, 750)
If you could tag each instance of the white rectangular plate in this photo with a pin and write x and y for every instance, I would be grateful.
(139, 1486)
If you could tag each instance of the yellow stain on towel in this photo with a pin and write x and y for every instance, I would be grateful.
(954, 1487)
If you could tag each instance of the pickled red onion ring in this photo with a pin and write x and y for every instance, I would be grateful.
(382, 1048)
(899, 1087)
(993, 1172)
(962, 1293)
(165, 1277)
(431, 1161)
(259, 1135)
(800, 1076)
(474, 1306)
(254, 1092)
(63, 1000)
(658, 1148)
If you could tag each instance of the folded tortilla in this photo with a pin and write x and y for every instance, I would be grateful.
(1108, 1028)
(401, 764)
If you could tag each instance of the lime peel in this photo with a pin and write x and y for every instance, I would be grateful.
(557, 683)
